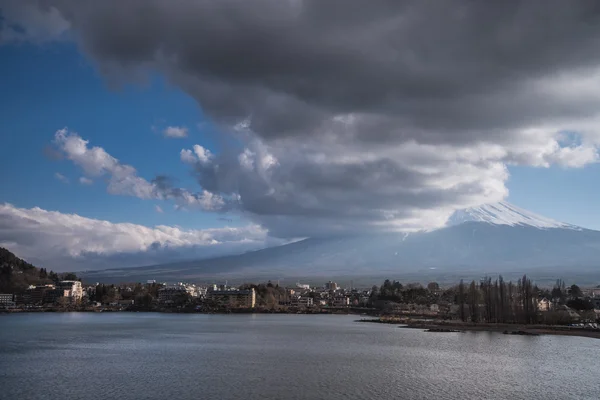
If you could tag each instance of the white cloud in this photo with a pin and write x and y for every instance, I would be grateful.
(175, 132)
(204, 155)
(158, 209)
(85, 181)
(61, 177)
(123, 178)
(198, 155)
(50, 235)
(187, 156)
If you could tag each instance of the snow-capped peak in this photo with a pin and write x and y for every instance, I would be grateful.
(503, 213)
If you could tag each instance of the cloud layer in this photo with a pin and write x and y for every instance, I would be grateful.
(356, 116)
(67, 241)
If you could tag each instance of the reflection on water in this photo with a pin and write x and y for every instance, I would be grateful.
(158, 356)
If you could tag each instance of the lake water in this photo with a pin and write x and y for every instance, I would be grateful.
(177, 356)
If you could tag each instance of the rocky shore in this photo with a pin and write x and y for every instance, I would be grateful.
(509, 329)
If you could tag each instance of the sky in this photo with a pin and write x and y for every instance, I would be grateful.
(186, 129)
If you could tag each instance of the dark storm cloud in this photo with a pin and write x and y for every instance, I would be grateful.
(359, 115)
(444, 68)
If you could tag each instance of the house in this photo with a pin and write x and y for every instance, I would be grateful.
(544, 304)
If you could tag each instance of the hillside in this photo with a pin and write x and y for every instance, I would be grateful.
(17, 274)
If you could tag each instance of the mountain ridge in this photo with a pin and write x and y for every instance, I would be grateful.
(492, 242)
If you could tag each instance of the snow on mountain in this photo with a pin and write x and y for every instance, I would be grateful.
(503, 213)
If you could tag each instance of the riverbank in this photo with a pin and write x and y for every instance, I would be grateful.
(483, 327)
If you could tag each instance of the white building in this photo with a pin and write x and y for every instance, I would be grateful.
(302, 301)
(72, 289)
(340, 301)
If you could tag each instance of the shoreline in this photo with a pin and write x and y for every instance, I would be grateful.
(513, 329)
(406, 323)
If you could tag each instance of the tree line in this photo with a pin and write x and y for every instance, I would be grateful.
(490, 301)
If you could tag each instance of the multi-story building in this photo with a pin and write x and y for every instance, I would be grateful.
(7, 300)
(331, 286)
(340, 301)
(41, 294)
(72, 289)
(234, 298)
(302, 301)
(169, 294)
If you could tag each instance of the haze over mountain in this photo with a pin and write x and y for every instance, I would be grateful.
(493, 238)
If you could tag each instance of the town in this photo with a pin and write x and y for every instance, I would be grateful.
(483, 302)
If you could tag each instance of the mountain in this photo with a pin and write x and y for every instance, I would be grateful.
(495, 238)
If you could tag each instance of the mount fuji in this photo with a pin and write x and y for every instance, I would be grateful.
(503, 213)
(490, 239)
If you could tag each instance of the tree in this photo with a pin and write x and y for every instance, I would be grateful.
(575, 291)
(433, 286)
(461, 300)
(559, 292)
(53, 276)
(473, 297)
(580, 304)
(69, 276)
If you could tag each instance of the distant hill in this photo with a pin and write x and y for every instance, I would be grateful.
(16, 274)
(492, 239)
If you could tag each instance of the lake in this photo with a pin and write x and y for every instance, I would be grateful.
(195, 356)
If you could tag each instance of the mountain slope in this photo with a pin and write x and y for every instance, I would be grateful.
(503, 213)
(492, 239)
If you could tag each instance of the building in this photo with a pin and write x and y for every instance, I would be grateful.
(42, 294)
(234, 298)
(201, 291)
(7, 300)
(340, 301)
(544, 304)
(169, 294)
(331, 286)
(72, 289)
(302, 301)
